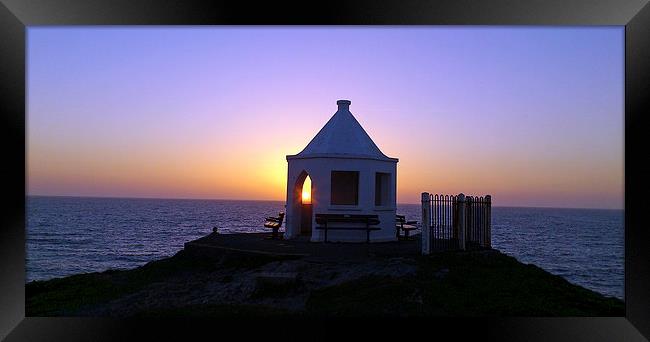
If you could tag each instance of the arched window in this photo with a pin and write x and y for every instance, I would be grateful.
(306, 191)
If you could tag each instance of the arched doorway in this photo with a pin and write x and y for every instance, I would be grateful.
(303, 206)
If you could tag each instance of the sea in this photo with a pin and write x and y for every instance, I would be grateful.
(71, 235)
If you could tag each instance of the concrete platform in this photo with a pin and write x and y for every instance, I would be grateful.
(261, 244)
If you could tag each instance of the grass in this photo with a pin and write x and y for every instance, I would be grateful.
(475, 284)
(64, 296)
(215, 310)
(485, 283)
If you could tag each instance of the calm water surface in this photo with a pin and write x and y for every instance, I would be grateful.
(69, 235)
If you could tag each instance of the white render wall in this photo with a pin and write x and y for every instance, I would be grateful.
(319, 170)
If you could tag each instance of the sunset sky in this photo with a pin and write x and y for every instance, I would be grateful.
(531, 115)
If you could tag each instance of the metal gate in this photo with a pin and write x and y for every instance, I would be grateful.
(455, 222)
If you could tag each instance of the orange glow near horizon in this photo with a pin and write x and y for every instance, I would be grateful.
(251, 168)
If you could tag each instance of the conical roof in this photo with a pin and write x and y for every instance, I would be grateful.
(342, 136)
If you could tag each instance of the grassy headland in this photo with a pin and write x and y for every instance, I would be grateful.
(479, 283)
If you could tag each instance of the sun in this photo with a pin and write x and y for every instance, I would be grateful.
(306, 197)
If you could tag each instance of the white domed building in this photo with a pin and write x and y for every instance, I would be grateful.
(349, 175)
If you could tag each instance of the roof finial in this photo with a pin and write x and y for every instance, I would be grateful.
(343, 104)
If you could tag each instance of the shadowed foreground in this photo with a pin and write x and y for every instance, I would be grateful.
(478, 283)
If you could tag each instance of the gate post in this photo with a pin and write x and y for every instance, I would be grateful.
(426, 223)
(488, 199)
(461, 221)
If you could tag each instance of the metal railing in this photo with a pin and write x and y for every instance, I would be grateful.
(455, 222)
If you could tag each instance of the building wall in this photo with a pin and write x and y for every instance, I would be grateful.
(319, 170)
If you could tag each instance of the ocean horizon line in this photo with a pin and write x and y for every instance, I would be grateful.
(275, 200)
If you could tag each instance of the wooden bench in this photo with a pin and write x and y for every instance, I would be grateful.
(324, 221)
(274, 223)
(406, 226)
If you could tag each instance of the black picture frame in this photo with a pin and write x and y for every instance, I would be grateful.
(17, 15)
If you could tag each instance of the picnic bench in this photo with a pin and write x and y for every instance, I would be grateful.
(274, 223)
(364, 222)
(406, 226)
